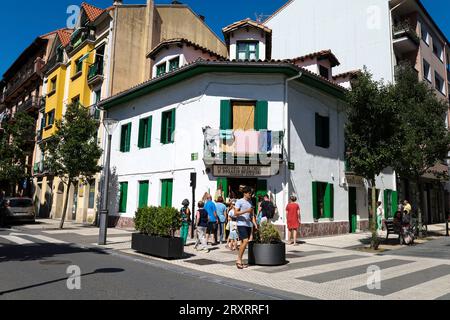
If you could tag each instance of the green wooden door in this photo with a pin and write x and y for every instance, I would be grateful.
(329, 202)
(143, 194)
(353, 214)
(167, 193)
(123, 197)
(223, 183)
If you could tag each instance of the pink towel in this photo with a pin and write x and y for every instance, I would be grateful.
(246, 142)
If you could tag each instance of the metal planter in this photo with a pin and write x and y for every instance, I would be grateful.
(167, 248)
(267, 254)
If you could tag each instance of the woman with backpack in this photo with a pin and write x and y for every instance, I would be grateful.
(202, 219)
(186, 220)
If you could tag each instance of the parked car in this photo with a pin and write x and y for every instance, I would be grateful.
(18, 210)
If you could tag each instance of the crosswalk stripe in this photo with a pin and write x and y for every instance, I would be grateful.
(46, 239)
(16, 240)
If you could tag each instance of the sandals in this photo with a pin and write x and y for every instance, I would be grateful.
(240, 266)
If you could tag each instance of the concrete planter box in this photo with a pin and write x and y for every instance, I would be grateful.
(167, 248)
(267, 254)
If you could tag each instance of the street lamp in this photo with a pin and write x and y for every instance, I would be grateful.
(110, 126)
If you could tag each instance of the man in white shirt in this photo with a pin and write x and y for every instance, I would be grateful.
(244, 213)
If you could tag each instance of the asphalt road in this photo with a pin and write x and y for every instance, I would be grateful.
(38, 270)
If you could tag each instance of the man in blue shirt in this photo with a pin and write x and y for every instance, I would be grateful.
(210, 207)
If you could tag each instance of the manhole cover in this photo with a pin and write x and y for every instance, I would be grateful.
(54, 262)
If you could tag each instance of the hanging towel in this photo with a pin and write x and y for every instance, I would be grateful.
(247, 142)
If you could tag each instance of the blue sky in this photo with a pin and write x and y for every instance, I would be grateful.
(22, 21)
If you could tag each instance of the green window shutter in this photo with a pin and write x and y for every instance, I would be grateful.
(163, 193)
(224, 183)
(128, 139)
(143, 194)
(123, 197)
(141, 133)
(164, 129)
(394, 203)
(316, 213)
(166, 193)
(386, 203)
(148, 143)
(123, 138)
(226, 115)
(329, 202)
(261, 115)
(172, 126)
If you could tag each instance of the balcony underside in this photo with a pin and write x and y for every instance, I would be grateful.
(405, 44)
(95, 80)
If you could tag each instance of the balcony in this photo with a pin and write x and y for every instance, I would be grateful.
(30, 72)
(32, 104)
(79, 37)
(405, 38)
(242, 147)
(95, 74)
(39, 168)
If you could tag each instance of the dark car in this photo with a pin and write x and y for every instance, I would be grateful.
(17, 210)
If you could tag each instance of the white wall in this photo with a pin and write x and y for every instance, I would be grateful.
(252, 34)
(357, 32)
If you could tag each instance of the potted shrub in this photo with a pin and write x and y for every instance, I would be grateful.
(267, 249)
(157, 227)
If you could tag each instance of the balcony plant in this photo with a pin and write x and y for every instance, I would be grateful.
(267, 249)
(156, 228)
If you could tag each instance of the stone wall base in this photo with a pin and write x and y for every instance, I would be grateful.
(121, 222)
(364, 225)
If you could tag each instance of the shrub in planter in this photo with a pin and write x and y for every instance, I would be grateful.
(267, 249)
(157, 227)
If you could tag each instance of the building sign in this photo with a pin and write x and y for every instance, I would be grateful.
(291, 166)
(194, 156)
(243, 171)
(355, 180)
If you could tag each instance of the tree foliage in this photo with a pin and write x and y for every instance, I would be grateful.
(73, 153)
(16, 139)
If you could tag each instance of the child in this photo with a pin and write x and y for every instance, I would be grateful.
(232, 225)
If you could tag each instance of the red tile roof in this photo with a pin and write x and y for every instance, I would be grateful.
(245, 22)
(181, 41)
(64, 36)
(350, 74)
(91, 11)
(324, 54)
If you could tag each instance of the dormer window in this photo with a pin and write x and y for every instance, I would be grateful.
(247, 50)
(161, 69)
(324, 71)
(174, 64)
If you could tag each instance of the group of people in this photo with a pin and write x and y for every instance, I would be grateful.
(235, 222)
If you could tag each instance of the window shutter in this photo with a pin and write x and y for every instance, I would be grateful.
(143, 194)
(128, 139)
(226, 116)
(163, 193)
(169, 193)
(164, 129)
(261, 115)
(172, 126)
(141, 133)
(315, 202)
(329, 201)
(123, 137)
(148, 143)
(394, 202)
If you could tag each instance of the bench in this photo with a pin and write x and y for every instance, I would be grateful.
(391, 228)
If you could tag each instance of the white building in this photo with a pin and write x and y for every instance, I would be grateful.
(279, 127)
(378, 34)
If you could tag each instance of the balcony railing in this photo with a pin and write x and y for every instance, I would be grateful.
(79, 37)
(29, 72)
(34, 103)
(405, 29)
(260, 147)
(95, 72)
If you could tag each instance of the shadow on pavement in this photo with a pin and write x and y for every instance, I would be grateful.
(39, 251)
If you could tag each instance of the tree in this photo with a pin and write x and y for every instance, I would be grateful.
(424, 135)
(73, 153)
(17, 136)
(372, 136)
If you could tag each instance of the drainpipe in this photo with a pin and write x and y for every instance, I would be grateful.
(286, 147)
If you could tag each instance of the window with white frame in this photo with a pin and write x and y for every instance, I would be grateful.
(438, 50)
(161, 69)
(425, 34)
(439, 83)
(426, 71)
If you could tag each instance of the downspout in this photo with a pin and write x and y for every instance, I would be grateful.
(286, 139)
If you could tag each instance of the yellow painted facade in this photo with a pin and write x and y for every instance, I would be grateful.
(55, 99)
(78, 86)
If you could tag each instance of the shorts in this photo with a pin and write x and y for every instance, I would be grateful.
(212, 228)
(234, 235)
(244, 232)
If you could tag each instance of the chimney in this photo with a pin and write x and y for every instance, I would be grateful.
(202, 18)
(118, 3)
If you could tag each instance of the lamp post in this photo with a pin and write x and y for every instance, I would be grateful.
(110, 125)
